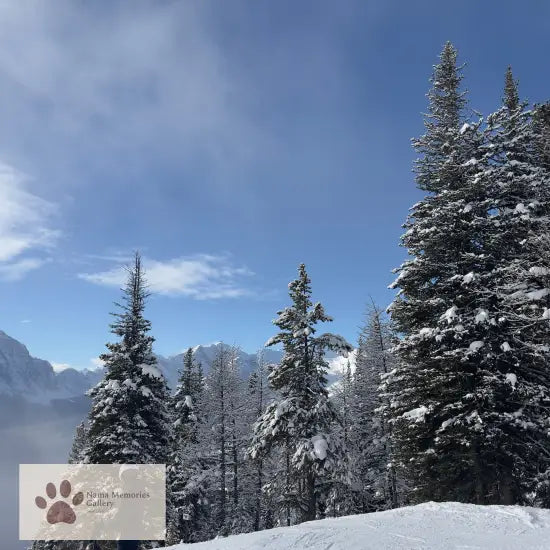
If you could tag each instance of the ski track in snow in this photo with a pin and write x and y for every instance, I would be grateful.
(428, 526)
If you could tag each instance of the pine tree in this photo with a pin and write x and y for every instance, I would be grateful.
(370, 433)
(342, 496)
(433, 421)
(300, 421)
(188, 510)
(516, 388)
(223, 385)
(129, 422)
(260, 396)
(79, 443)
(541, 131)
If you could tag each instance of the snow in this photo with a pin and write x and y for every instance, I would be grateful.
(512, 379)
(539, 271)
(468, 278)
(464, 128)
(151, 370)
(482, 316)
(426, 332)
(520, 209)
(320, 446)
(417, 414)
(505, 346)
(546, 313)
(538, 294)
(474, 346)
(450, 314)
(428, 526)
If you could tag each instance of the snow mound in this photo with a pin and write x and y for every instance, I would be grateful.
(429, 526)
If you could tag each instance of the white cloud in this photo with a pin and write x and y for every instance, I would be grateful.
(58, 367)
(201, 277)
(25, 321)
(25, 225)
(15, 271)
(96, 363)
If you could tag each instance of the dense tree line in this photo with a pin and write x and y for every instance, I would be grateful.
(445, 398)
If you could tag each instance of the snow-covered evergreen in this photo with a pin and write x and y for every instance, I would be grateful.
(431, 416)
(187, 472)
(369, 435)
(129, 421)
(301, 419)
(80, 441)
(467, 396)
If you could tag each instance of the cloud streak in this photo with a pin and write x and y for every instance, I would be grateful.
(25, 226)
(201, 277)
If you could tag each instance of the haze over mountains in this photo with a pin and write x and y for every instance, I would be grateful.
(41, 407)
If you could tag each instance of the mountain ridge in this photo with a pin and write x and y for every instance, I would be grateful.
(37, 381)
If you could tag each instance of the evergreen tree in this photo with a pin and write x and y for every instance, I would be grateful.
(342, 497)
(513, 351)
(260, 396)
(433, 421)
(188, 510)
(370, 433)
(466, 397)
(129, 422)
(79, 444)
(300, 421)
(222, 386)
(541, 131)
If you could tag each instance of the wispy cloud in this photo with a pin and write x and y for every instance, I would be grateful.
(201, 277)
(96, 363)
(141, 76)
(25, 226)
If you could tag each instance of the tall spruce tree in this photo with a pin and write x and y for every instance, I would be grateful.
(260, 397)
(129, 422)
(342, 495)
(513, 353)
(434, 425)
(300, 421)
(223, 384)
(370, 434)
(187, 474)
(80, 441)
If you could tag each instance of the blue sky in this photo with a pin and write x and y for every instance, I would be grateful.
(228, 141)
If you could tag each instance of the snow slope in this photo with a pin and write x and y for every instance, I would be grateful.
(429, 526)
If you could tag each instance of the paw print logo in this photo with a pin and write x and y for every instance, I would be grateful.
(60, 511)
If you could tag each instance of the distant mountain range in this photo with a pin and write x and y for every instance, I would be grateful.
(22, 375)
(36, 380)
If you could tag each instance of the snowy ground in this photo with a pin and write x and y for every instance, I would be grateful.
(440, 526)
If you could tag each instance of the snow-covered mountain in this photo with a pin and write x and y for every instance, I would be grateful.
(429, 526)
(36, 380)
(205, 355)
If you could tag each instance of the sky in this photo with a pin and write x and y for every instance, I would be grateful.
(227, 142)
